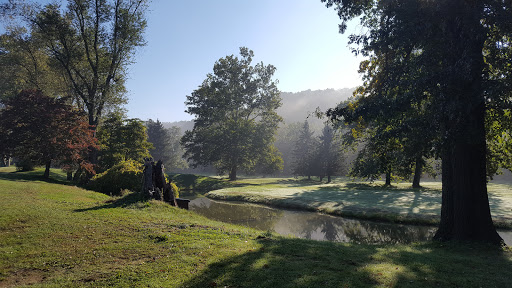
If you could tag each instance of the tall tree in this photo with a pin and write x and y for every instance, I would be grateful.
(42, 129)
(176, 151)
(235, 115)
(449, 47)
(329, 153)
(26, 65)
(304, 153)
(286, 139)
(160, 138)
(93, 41)
(166, 145)
(122, 139)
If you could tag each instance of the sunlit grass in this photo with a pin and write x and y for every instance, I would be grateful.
(399, 202)
(57, 235)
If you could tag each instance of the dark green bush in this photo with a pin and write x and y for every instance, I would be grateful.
(24, 165)
(184, 181)
(124, 175)
(198, 183)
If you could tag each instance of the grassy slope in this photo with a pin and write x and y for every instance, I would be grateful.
(53, 235)
(372, 201)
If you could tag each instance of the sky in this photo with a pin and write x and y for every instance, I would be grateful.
(185, 38)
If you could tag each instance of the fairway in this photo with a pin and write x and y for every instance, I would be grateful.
(399, 203)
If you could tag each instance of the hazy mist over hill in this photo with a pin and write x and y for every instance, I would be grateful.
(296, 106)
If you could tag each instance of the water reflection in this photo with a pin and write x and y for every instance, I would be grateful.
(314, 226)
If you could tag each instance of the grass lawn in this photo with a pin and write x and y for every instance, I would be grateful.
(56, 235)
(399, 203)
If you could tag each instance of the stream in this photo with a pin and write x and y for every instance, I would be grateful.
(315, 226)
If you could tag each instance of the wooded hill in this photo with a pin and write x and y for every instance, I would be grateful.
(296, 107)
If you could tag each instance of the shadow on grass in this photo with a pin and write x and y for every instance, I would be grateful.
(300, 263)
(36, 175)
(373, 187)
(122, 202)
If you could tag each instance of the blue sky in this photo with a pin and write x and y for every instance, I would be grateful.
(185, 38)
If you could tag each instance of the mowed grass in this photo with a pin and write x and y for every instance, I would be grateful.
(396, 203)
(57, 235)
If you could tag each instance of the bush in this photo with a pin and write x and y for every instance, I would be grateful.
(199, 183)
(185, 181)
(124, 175)
(24, 165)
(175, 190)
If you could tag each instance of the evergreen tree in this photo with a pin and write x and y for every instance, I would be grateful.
(329, 153)
(166, 145)
(304, 153)
(160, 138)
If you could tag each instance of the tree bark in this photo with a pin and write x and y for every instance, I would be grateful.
(418, 170)
(147, 179)
(46, 174)
(465, 212)
(388, 178)
(232, 174)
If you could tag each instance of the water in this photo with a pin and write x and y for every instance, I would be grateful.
(315, 226)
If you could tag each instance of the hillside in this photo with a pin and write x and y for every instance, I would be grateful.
(58, 235)
(296, 106)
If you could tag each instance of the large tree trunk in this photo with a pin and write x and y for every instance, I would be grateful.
(465, 212)
(232, 174)
(418, 170)
(388, 178)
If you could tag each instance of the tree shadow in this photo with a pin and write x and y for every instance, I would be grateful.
(303, 263)
(294, 182)
(36, 175)
(125, 201)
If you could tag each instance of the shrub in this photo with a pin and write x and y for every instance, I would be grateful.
(124, 175)
(185, 181)
(175, 190)
(199, 183)
(24, 165)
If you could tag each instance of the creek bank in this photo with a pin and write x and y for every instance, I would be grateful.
(340, 208)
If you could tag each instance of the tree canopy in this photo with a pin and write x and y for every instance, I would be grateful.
(166, 145)
(122, 139)
(41, 129)
(92, 42)
(235, 116)
(446, 58)
(304, 153)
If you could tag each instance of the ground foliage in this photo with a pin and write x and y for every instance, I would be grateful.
(125, 175)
